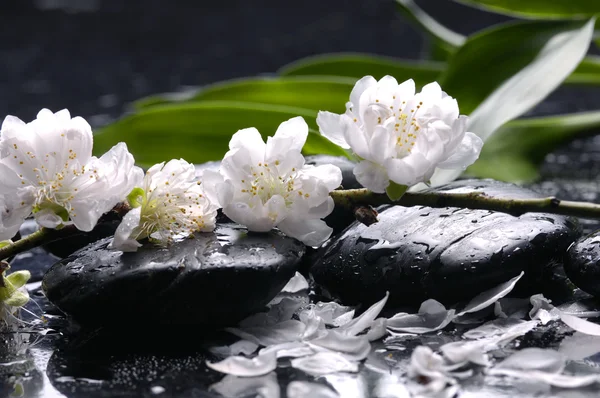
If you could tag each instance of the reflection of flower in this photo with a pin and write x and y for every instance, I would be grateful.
(430, 375)
(170, 204)
(47, 168)
(268, 185)
(399, 135)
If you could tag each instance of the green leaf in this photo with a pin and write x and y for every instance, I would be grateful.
(545, 9)
(587, 72)
(395, 191)
(200, 132)
(308, 92)
(515, 152)
(503, 72)
(510, 53)
(443, 40)
(357, 65)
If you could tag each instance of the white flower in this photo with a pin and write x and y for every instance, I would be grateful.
(268, 185)
(47, 168)
(171, 204)
(399, 135)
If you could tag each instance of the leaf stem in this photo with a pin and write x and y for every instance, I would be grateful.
(352, 198)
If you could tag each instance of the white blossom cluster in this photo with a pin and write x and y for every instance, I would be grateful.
(47, 170)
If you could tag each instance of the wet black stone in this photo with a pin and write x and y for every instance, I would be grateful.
(212, 280)
(582, 263)
(448, 254)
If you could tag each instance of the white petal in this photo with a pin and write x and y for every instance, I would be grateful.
(238, 387)
(315, 326)
(290, 136)
(211, 182)
(533, 358)
(122, 239)
(466, 351)
(324, 363)
(356, 137)
(13, 211)
(378, 329)
(282, 332)
(432, 316)
(296, 284)
(358, 90)
(245, 367)
(294, 349)
(251, 140)
(366, 319)
(242, 213)
(333, 314)
(557, 380)
(580, 325)
(239, 347)
(327, 174)
(332, 128)
(465, 154)
(579, 346)
(409, 170)
(372, 176)
(11, 125)
(489, 297)
(355, 348)
(305, 389)
(310, 232)
(382, 144)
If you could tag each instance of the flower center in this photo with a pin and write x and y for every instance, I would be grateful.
(170, 214)
(266, 183)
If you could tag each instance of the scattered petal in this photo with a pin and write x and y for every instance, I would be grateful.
(587, 308)
(489, 297)
(246, 367)
(509, 307)
(460, 352)
(432, 316)
(239, 347)
(556, 380)
(366, 319)
(533, 358)
(282, 332)
(378, 329)
(323, 363)
(333, 314)
(241, 387)
(305, 389)
(579, 346)
(353, 347)
(297, 284)
(288, 350)
(581, 325)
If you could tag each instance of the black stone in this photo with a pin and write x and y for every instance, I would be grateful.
(582, 263)
(448, 254)
(213, 280)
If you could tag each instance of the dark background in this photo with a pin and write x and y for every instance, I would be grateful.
(95, 56)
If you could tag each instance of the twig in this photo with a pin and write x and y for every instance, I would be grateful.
(352, 198)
